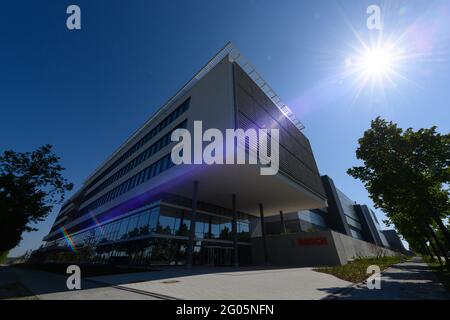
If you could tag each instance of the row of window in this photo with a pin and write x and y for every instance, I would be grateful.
(145, 252)
(133, 226)
(150, 151)
(153, 251)
(160, 220)
(151, 171)
(312, 218)
(152, 133)
(177, 222)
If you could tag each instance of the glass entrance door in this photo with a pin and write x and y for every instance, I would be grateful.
(218, 256)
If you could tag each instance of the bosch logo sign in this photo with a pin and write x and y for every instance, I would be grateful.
(317, 241)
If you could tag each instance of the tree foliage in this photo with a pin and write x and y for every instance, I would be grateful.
(30, 185)
(407, 173)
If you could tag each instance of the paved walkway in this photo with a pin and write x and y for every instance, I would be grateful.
(195, 283)
(412, 280)
(409, 280)
(51, 286)
(228, 283)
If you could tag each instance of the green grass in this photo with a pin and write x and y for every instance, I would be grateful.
(356, 270)
(3, 256)
(442, 272)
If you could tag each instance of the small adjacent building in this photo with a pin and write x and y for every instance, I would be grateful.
(395, 243)
(335, 234)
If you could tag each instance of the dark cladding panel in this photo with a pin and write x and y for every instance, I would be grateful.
(256, 110)
(336, 215)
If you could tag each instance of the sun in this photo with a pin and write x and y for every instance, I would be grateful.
(374, 66)
(377, 62)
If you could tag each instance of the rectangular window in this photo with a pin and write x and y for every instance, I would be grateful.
(157, 168)
(164, 163)
(138, 178)
(132, 183)
(150, 171)
(115, 192)
(143, 175)
(166, 140)
(143, 224)
(172, 116)
(200, 229)
(158, 146)
(147, 154)
(154, 216)
(152, 150)
(166, 225)
(123, 228)
(132, 226)
(124, 187)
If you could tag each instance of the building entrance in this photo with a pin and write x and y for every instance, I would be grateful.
(218, 256)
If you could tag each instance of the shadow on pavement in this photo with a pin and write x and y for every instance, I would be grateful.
(10, 286)
(407, 281)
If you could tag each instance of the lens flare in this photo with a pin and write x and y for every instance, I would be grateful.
(68, 239)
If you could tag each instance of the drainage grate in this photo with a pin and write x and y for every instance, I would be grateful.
(170, 281)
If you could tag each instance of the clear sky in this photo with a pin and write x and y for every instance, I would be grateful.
(86, 91)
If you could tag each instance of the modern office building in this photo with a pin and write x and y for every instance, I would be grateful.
(139, 208)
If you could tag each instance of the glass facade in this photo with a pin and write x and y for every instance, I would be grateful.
(312, 218)
(154, 236)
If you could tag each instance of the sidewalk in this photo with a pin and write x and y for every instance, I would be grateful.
(51, 286)
(409, 280)
(210, 283)
(412, 280)
(216, 283)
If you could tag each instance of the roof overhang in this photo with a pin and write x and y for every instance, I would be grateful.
(217, 183)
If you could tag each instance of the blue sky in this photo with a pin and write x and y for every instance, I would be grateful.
(86, 91)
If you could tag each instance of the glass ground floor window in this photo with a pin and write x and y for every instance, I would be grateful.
(155, 251)
(159, 220)
(156, 235)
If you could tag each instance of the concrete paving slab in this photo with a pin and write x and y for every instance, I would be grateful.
(231, 284)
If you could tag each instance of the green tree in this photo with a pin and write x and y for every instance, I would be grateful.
(30, 185)
(406, 173)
